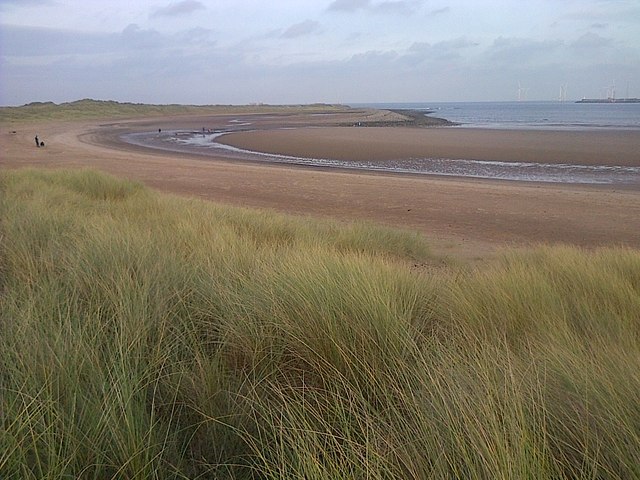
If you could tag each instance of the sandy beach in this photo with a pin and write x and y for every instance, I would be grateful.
(465, 218)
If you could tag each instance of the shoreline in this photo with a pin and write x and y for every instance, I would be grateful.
(463, 218)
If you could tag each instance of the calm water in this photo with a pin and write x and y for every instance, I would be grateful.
(539, 115)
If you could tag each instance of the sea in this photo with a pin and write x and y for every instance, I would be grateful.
(528, 115)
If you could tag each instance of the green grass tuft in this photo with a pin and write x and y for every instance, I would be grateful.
(149, 336)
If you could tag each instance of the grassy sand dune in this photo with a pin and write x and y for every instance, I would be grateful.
(148, 336)
(100, 109)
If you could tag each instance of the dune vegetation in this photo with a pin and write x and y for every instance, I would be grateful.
(151, 336)
(102, 109)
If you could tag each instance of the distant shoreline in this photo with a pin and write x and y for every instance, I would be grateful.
(527, 115)
(609, 100)
(416, 118)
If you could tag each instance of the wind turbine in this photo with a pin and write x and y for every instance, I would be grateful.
(612, 89)
(610, 92)
(522, 92)
(563, 93)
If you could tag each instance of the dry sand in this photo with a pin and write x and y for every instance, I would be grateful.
(464, 218)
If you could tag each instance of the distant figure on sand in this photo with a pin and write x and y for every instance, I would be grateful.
(37, 141)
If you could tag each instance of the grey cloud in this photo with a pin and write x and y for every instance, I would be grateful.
(34, 41)
(591, 41)
(520, 50)
(403, 7)
(23, 3)
(124, 79)
(349, 5)
(18, 41)
(113, 66)
(200, 36)
(440, 11)
(178, 8)
(625, 12)
(599, 25)
(226, 76)
(136, 37)
(445, 50)
(376, 59)
(301, 29)
(456, 43)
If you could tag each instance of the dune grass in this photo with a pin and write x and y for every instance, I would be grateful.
(148, 336)
(102, 109)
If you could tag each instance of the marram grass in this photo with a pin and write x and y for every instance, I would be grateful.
(147, 336)
(101, 109)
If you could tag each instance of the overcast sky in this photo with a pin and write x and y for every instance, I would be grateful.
(304, 51)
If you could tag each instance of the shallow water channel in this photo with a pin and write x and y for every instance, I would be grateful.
(206, 143)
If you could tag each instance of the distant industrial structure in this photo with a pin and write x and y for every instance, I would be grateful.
(609, 100)
(610, 96)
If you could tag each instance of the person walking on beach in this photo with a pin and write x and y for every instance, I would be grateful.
(37, 141)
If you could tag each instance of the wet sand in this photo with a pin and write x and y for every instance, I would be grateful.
(607, 147)
(465, 218)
